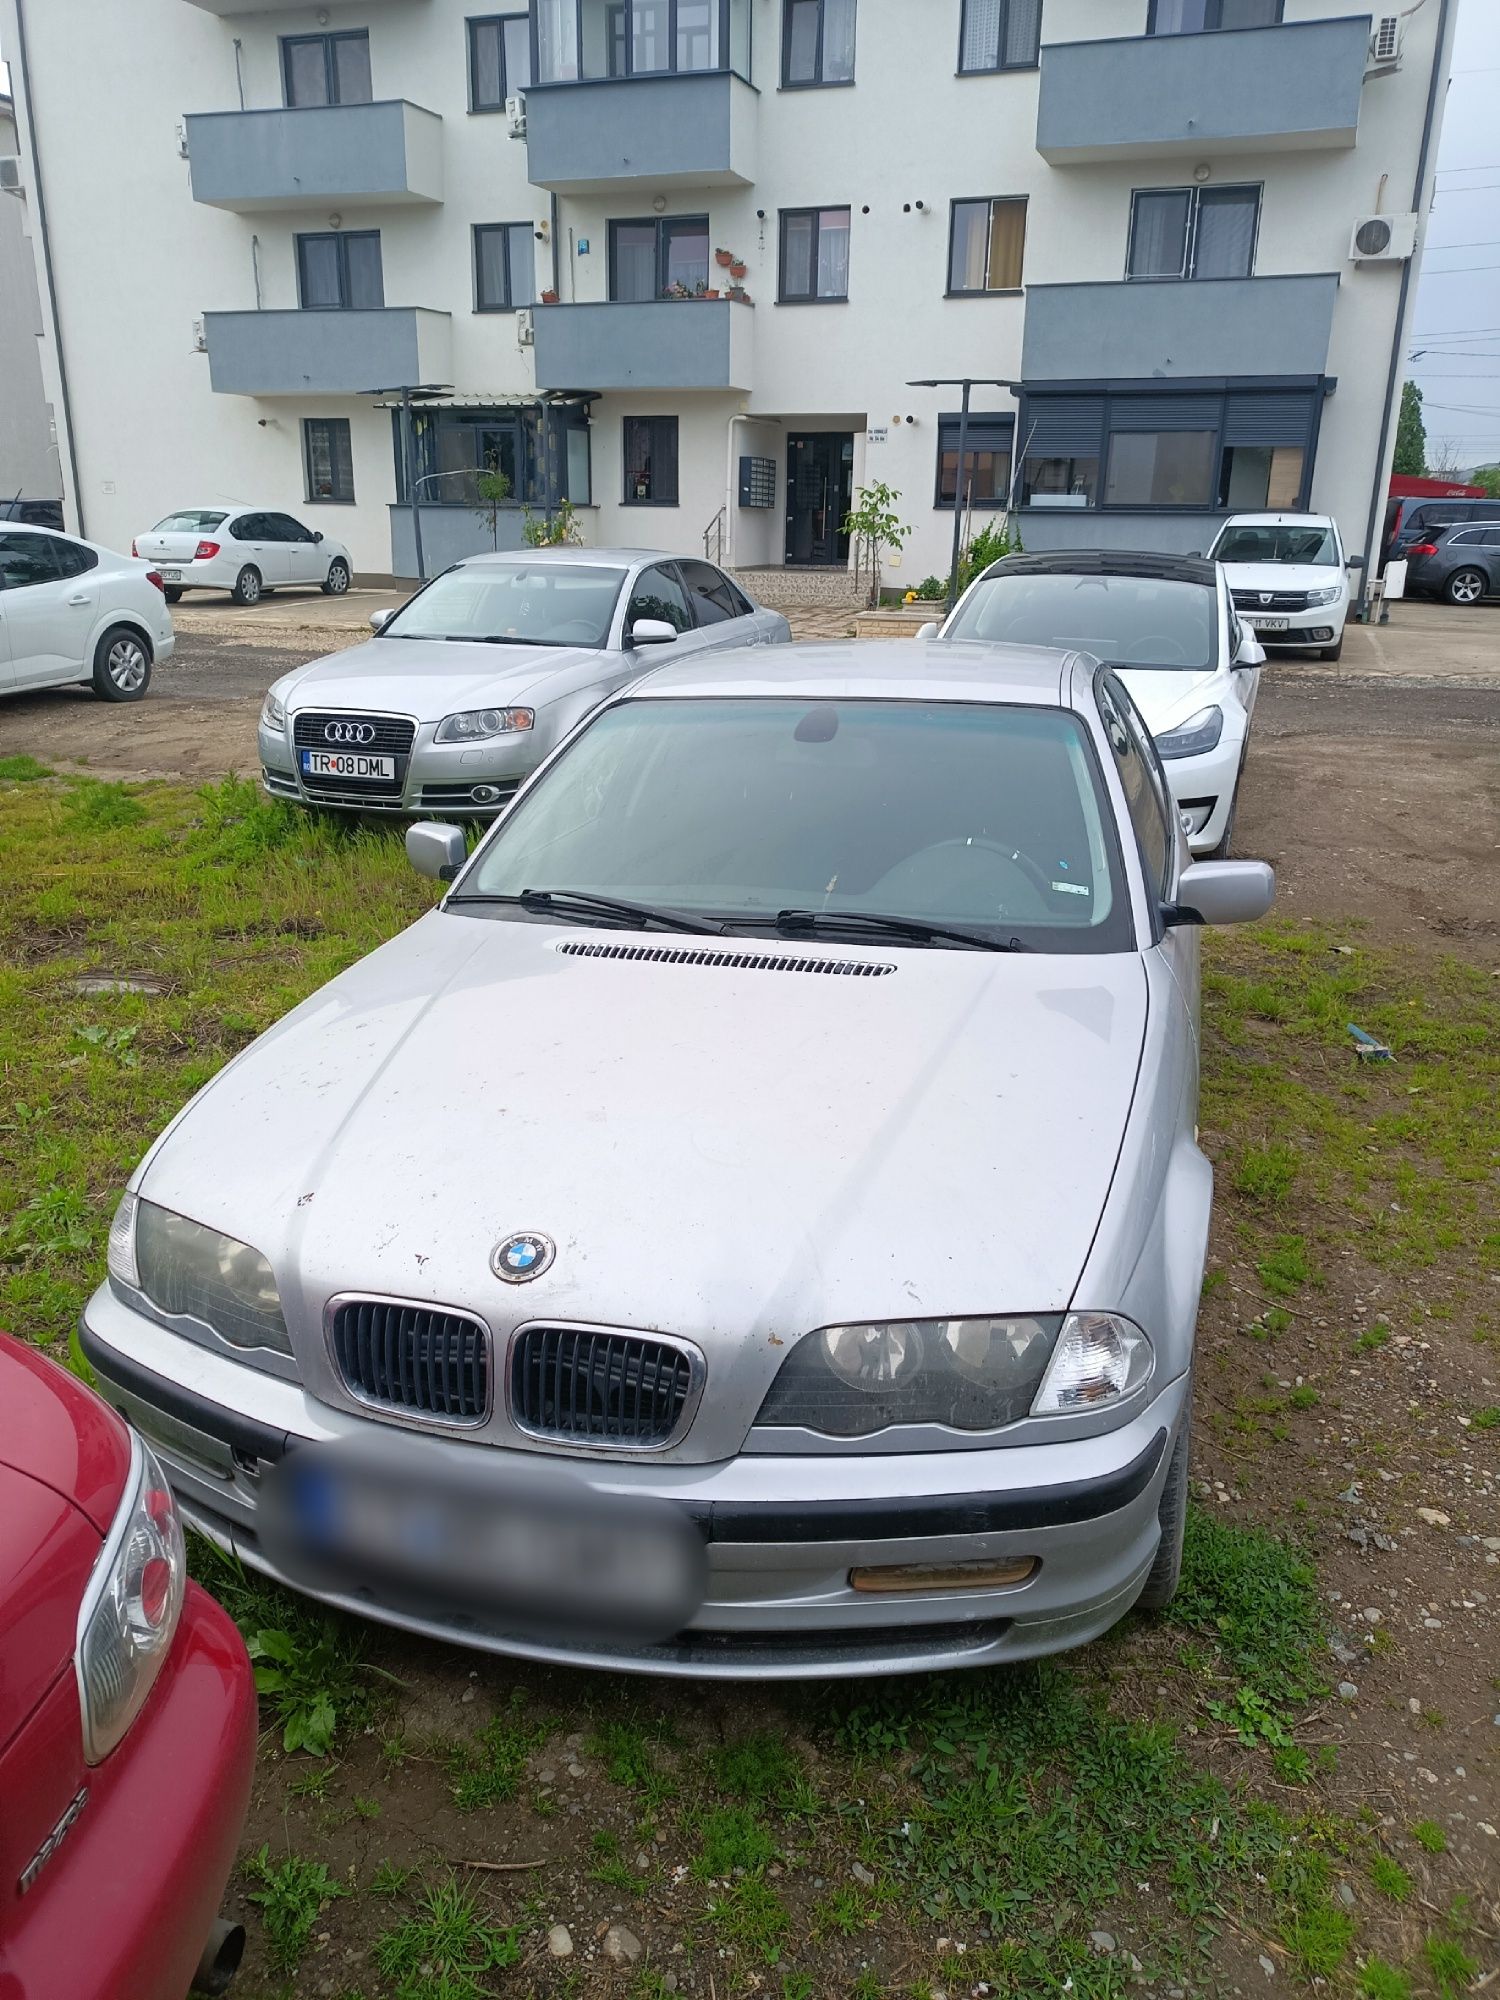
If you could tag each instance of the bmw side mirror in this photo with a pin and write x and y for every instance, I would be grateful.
(928, 631)
(1220, 892)
(437, 849)
(651, 632)
(380, 619)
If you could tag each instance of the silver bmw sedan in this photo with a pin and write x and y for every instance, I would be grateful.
(754, 1224)
(465, 689)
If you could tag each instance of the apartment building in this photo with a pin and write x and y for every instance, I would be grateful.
(30, 477)
(704, 267)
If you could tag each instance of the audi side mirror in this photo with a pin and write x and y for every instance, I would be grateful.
(929, 630)
(380, 619)
(651, 632)
(435, 848)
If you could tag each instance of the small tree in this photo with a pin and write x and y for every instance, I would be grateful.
(558, 530)
(1411, 434)
(492, 490)
(1487, 476)
(874, 526)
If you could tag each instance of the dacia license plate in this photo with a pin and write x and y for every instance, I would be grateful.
(1268, 624)
(171, 576)
(347, 764)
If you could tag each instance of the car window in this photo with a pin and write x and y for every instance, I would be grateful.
(538, 603)
(26, 560)
(73, 558)
(1125, 621)
(1310, 542)
(1461, 535)
(193, 522)
(988, 816)
(708, 591)
(288, 530)
(1140, 777)
(246, 528)
(658, 594)
(1492, 538)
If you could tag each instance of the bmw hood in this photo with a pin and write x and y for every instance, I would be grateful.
(1282, 576)
(738, 1154)
(427, 678)
(1168, 696)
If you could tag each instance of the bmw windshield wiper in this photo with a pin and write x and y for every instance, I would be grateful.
(914, 929)
(584, 903)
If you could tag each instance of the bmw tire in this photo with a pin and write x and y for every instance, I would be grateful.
(247, 586)
(1166, 1571)
(122, 664)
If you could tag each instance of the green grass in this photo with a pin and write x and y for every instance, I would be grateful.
(290, 1894)
(445, 1948)
(1430, 1836)
(1255, 1597)
(1390, 1878)
(22, 770)
(1380, 1981)
(1487, 1419)
(1267, 1173)
(490, 1766)
(1450, 1965)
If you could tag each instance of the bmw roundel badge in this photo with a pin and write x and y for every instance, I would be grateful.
(519, 1258)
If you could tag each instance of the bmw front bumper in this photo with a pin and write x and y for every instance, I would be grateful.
(782, 1533)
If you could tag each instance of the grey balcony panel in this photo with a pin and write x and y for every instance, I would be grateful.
(326, 353)
(662, 344)
(448, 535)
(1241, 90)
(1143, 329)
(353, 154)
(650, 131)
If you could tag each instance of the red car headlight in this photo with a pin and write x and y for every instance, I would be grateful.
(130, 1609)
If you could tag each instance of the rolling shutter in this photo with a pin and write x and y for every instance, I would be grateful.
(1062, 426)
(1254, 419)
(1165, 413)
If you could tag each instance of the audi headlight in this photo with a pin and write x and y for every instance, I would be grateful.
(474, 725)
(273, 714)
(968, 1374)
(1328, 596)
(130, 1608)
(1098, 1359)
(190, 1272)
(1191, 738)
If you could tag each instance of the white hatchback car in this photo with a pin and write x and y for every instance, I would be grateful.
(72, 611)
(246, 551)
(1289, 578)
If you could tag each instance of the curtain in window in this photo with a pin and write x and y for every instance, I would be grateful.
(802, 41)
(522, 264)
(833, 253)
(796, 256)
(970, 229)
(1007, 244)
(366, 289)
(634, 274)
(981, 37)
(1158, 244)
(517, 31)
(838, 41)
(486, 69)
(1226, 233)
(557, 41)
(1023, 31)
(318, 257)
(489, 268)
(307, 72)
(351, 69)
(685, 252)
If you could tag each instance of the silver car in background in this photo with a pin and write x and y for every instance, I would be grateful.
(754, 1225)
(465, 689)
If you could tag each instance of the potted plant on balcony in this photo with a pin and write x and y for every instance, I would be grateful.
(738, 270)
(724, 258)
(549, 297)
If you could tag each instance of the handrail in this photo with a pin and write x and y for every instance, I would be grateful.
(713, 538)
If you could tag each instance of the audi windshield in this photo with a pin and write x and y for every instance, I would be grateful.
(519, 604)
(1126, 621)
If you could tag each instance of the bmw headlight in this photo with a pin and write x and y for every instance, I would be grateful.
(474, 725)
(273, 714)
(130, 1609)
(1328, 596)
(189, 1272)
(965, 1374)
(1191, 738)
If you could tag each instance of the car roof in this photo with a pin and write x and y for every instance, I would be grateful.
(1109, 562)
(1285, 520)
(619, 558)
(871, 670)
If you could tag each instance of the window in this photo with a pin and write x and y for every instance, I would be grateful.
(1192, 17)
(25, 560)
(1141, 782)
(504, 266)
(999, 34)
(814, 254)
(714, 597)
(987, 449)
(282, 528)
(327, 458)
(73, 559)
(659, 259)
(1245, 449)
(1193, 232)
(340, 271)
(499, 60)
(326, 69)
(659, 594)
(650, 461)
(590, 39)
(987, 244)
(817, 43)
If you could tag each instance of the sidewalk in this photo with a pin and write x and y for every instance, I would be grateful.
(305, 612)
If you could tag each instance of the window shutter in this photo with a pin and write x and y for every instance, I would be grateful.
(1257, 419)
(983, 432)
(1164, 413)
(1062, 426)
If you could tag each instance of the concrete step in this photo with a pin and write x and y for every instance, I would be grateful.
(803, 589)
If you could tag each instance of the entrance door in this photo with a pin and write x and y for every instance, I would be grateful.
(819, 494)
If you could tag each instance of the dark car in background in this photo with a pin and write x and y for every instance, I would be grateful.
(1460, 563)
(1423, 520)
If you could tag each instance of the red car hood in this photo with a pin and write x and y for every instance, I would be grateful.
(47, 1549)
(58, 1432)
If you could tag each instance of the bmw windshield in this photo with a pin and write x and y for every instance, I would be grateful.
(518, 604)
(1126, 621)
(758, 814)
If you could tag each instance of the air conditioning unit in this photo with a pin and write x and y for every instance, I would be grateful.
(1383, 239)
(515, 117)
(1385, 41)
(525, 327)
(200, 337)
(182, 139)
(10, 173)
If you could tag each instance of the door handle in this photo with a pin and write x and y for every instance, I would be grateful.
(78, 600)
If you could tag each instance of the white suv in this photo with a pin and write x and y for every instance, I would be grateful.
(246, 551)
(1289, 578)
(71, 611)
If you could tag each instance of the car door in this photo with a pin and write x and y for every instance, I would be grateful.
(1158, 829)
(47, 606)
(305, 561)
(659, 592)
(716, 613)
(261, 544)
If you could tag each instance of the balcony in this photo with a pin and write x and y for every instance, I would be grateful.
(1153, 330)
(353, 154)
(658, 344)
(225, 9)
(1285, 89)
(693, 129)
(326, 353)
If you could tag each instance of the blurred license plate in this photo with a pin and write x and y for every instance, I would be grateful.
(171, 576)
(346, 764)
(462, 1532)
(1268, 624)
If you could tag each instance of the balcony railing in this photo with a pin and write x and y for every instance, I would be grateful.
(357, 155)
(1286, 88)
(657, 344)
(1196, 327)
(646, 131)
(327, 353)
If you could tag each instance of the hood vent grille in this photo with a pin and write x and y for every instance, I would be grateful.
(741, 961)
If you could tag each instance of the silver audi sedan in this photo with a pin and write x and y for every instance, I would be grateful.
(480, 675)
(754, 1224)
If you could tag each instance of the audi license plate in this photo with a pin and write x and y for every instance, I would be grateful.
(171, 576)
(1268, 624)
(347, 764)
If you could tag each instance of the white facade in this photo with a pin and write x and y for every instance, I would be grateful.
(138, 261)
(28, 453)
